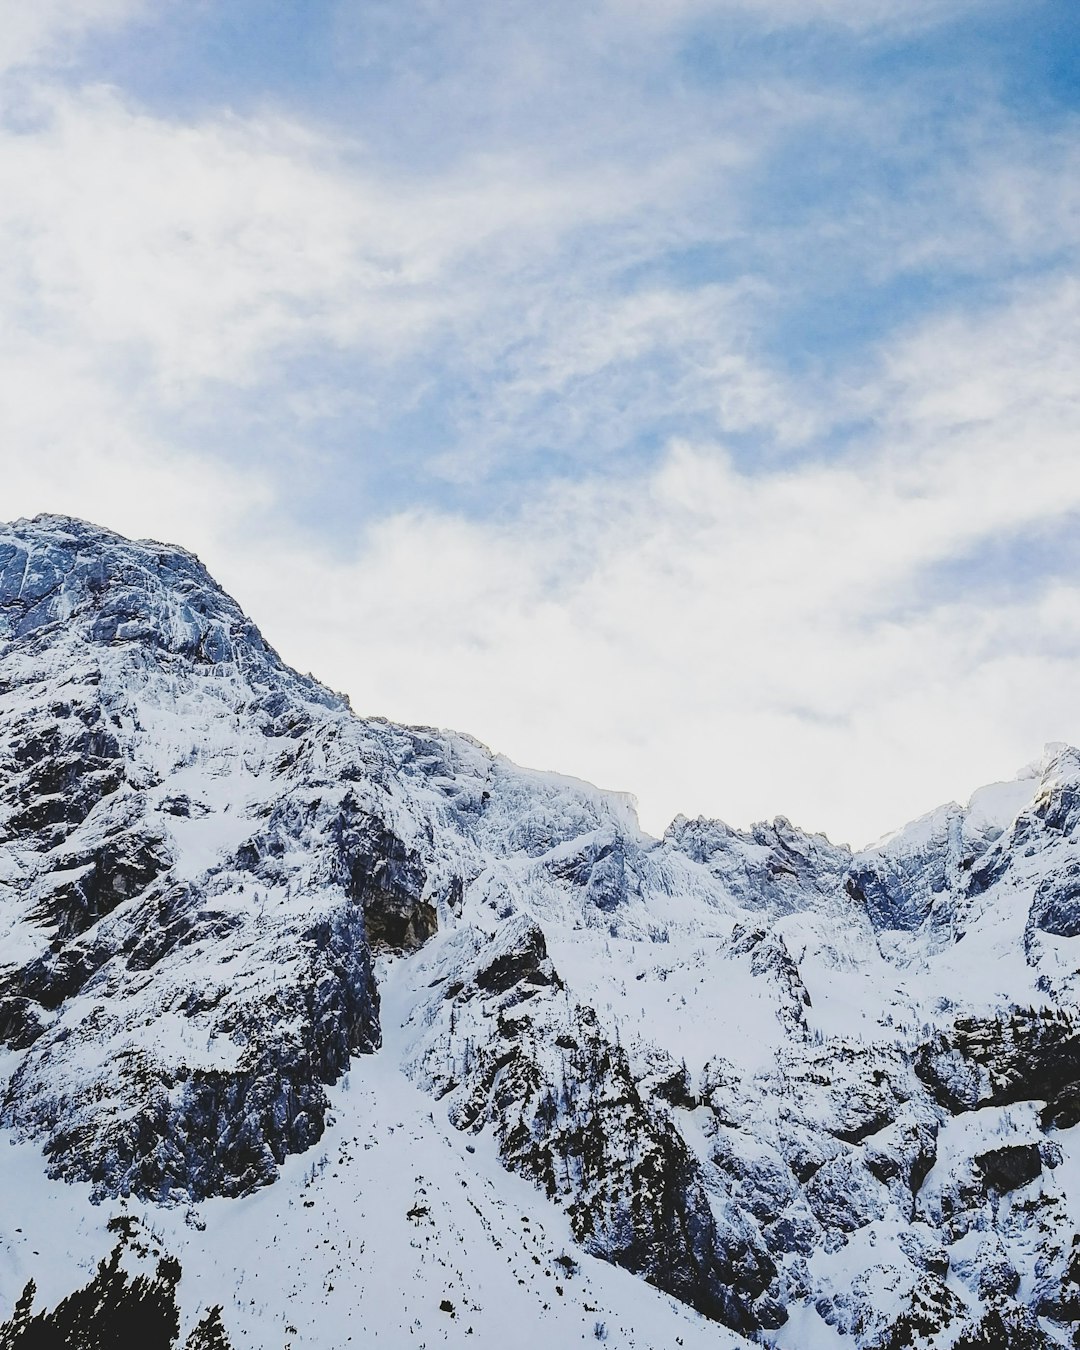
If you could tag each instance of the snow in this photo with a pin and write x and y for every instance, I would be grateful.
(994, 808)
(361, 1241)
(742, 955)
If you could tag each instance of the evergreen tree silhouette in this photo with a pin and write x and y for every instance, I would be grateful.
(209, 1334)
(112, 1312)
(12, 1332)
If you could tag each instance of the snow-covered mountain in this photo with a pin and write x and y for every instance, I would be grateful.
(386, 1039)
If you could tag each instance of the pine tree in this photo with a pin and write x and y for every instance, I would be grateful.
(209, 1334)
(112, 1312)
(13, 1332)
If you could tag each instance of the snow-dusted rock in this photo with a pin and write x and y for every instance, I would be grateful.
(773, 1078)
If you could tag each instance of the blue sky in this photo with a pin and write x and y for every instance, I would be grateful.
(844, 142)
(681, 393)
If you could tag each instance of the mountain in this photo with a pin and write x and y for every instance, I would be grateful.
(382, 1038)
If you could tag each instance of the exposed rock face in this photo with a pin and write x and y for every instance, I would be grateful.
(564, 1106)
(1031, 1053)
(757, 1070)
(772, 866)
(1007, 1169)
(1056, 906)
(191, 886)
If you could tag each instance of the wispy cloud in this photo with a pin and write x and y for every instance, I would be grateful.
(653, 411)
(50, 30)
(738, 643)
(861, 15)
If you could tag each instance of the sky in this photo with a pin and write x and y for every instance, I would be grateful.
(679, 394)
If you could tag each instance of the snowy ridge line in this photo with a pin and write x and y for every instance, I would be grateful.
(819, 1097)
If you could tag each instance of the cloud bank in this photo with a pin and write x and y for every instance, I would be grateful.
(644, 453)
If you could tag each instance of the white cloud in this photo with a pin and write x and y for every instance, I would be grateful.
(204, 249)
(199, 248)
(70, 443)
(739, 644)
(599, 368)
(1013, 368)
(49, 29)
(713, 640)
(181, 260)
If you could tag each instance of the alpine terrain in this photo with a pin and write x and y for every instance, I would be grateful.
(320, 1031)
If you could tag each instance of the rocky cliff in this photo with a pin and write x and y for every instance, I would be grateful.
(808, 1093)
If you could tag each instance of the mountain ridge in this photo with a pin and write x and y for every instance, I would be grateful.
(728, 1057)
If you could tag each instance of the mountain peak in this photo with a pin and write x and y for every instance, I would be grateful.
(66, 581)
